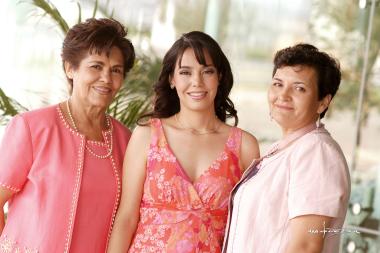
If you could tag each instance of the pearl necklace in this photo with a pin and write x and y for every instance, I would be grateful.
(109, 125)
(195, 131)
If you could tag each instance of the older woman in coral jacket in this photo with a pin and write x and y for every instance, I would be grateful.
(61, 165)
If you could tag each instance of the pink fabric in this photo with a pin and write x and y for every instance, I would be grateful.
(42, 162)
(308, 177)
(177, 215)
(96, 201)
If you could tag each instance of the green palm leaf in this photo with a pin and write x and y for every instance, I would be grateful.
(133, 99)
(8, 108)
(50, 9)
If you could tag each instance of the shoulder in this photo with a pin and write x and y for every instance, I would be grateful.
(42, 114)
(141, 131)
(249, 149)
(318, 153)
(320, 142)
(36, 119)
(248, 139)
(141, 136)
(249, 142)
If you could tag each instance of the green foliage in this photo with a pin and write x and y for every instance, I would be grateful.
(133, 99)
(53, 12)
(8, 108)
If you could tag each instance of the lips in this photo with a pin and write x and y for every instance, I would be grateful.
(102, 90)
(284, 107)
(197, 95)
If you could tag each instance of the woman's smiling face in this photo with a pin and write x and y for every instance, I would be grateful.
(196, 84)
(293, 97)
(98, 78)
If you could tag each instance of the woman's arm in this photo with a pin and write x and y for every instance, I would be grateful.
(134, 170)
(249, 150)
(16, 151)
(307, 233)
(5, 195)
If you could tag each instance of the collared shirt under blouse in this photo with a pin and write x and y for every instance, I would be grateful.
(309, 177)
(45, 163)
(177, 215)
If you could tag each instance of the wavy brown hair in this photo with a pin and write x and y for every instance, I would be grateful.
(96, 36)
(166, 101)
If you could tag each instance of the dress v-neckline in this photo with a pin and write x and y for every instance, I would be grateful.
(181, 169)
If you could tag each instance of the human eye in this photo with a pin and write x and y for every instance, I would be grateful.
(300, 88)
(184, 72)
(209, 71)
(96, 66)
(276, 84)
(117, 70)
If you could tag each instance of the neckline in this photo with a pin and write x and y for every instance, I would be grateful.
(292, 137)
(182, 170)
(73, 131)
(282, 144)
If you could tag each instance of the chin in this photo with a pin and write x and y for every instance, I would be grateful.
(201, 108)
(101, 103)
(283, 121)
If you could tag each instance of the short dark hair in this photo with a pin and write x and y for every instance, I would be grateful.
(166, 101)
(327, 68)
(96, 36)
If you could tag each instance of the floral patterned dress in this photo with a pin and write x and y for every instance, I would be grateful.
(176, 215)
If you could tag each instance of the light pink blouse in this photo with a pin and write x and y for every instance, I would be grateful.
(308, 177)
(46, 164)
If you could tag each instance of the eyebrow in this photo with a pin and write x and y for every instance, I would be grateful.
(300, 83)
(297, 82)
(98, 62)
(102, 63)
(188, 67)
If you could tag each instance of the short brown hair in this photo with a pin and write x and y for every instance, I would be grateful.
(326, 67)
(96, 36)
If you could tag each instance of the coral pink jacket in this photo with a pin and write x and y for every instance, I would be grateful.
(42, 162)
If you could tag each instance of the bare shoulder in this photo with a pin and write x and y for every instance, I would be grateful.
(249, 141)
(140, 137)
(249, 149)
(141, 131)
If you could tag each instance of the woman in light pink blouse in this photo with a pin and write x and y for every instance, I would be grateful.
(60, 166)
(295, 198)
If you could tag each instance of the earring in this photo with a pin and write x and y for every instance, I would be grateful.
(171, 86)
(319, 121)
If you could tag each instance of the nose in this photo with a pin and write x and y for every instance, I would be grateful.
(284, 93)
(106, 76)
(196, 80)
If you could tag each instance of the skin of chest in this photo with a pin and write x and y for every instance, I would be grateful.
(196, 153)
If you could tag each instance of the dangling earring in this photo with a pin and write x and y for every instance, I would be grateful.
(171, 86)
(319, 121)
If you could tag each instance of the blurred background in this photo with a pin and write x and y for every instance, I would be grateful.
(250, 32)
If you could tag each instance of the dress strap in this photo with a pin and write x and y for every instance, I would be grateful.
(234, 141)
(157, 133)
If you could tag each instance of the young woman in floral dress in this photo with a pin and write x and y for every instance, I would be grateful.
(180, 167)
